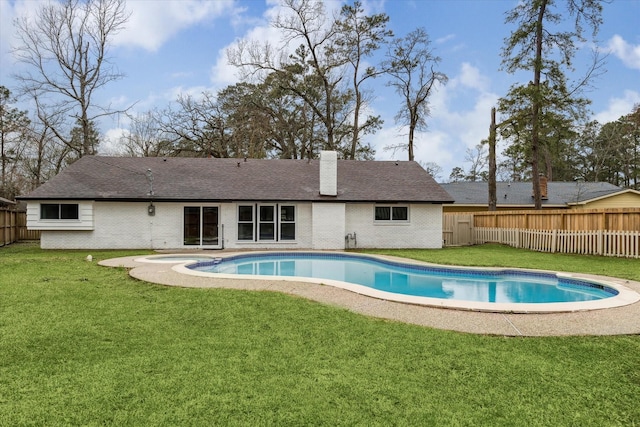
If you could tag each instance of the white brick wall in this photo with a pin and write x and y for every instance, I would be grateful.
(318, 226)
(123, 226)
(328, 225)
(423, 230)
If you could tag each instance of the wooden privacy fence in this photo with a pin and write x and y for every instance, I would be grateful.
(13, 227)
(618, 219)
(609, 232)
(8, 229)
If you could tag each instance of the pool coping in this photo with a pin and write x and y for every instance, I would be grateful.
(575, 320)
(625, 295)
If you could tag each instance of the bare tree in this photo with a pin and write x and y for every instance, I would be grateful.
(65, 49)
(432, 168)
(411, 64)
(313, 72)
(478, 158)
(13, 124)
(43, 155)
(144, 138)
(196, 127)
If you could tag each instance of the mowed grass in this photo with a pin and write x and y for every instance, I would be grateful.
(82, 344)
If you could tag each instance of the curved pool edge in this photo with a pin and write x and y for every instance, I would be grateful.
(626, 296)
(174, 258)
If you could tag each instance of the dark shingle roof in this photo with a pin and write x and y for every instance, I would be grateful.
(520, 193)
(182, 179)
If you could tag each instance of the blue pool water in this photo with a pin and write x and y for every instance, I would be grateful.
(508, 286)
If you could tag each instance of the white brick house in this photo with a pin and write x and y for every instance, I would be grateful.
(181, 203)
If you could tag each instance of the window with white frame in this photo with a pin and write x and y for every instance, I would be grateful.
(287, 222)
(245, 222)
(59, 211)
(266, 222)
(391, 213)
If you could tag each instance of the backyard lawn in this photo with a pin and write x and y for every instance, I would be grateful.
(82, 344)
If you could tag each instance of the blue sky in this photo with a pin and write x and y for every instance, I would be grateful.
(172, 47)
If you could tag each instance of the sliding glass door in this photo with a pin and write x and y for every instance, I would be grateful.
(201, 224)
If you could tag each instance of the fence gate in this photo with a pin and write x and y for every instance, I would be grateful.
(457, 229)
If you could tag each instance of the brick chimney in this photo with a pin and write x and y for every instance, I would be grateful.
(328, 173)
(543, 188)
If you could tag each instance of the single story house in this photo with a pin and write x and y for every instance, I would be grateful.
(474, 196)
(207, 203)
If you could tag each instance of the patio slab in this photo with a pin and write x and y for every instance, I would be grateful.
(623, 320)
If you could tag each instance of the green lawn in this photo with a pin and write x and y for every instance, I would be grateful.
(82, 344)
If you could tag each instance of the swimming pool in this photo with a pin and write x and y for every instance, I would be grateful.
(455, 287)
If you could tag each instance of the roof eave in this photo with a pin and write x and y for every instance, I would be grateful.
(157, 199)
(606, 196)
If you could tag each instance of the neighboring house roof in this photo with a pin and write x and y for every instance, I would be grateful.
(182, 179)
(517, 194)
(4, 201)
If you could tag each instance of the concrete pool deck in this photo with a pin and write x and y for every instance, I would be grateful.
(624, 320)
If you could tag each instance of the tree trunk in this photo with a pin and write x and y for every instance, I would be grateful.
(410, 147)
(535, 114)
(493, 198)
(413, 123)
(356, 125)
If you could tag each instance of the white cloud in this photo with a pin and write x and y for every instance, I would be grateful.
(470, 77)
(111, 143)
(618, 107)
(152, 24)
(463, 106)
(442, 40)
(460, 117)
(222, 72)
(7, 14)
(9, 11)
(430, 146)
(627, 53)
(261, 33)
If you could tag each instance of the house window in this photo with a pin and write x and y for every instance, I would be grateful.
(287, 222)
(391, 213)
(266, 222)
(59, 211)
(245, 222)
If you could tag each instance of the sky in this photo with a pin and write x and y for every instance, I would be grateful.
(179, 47)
